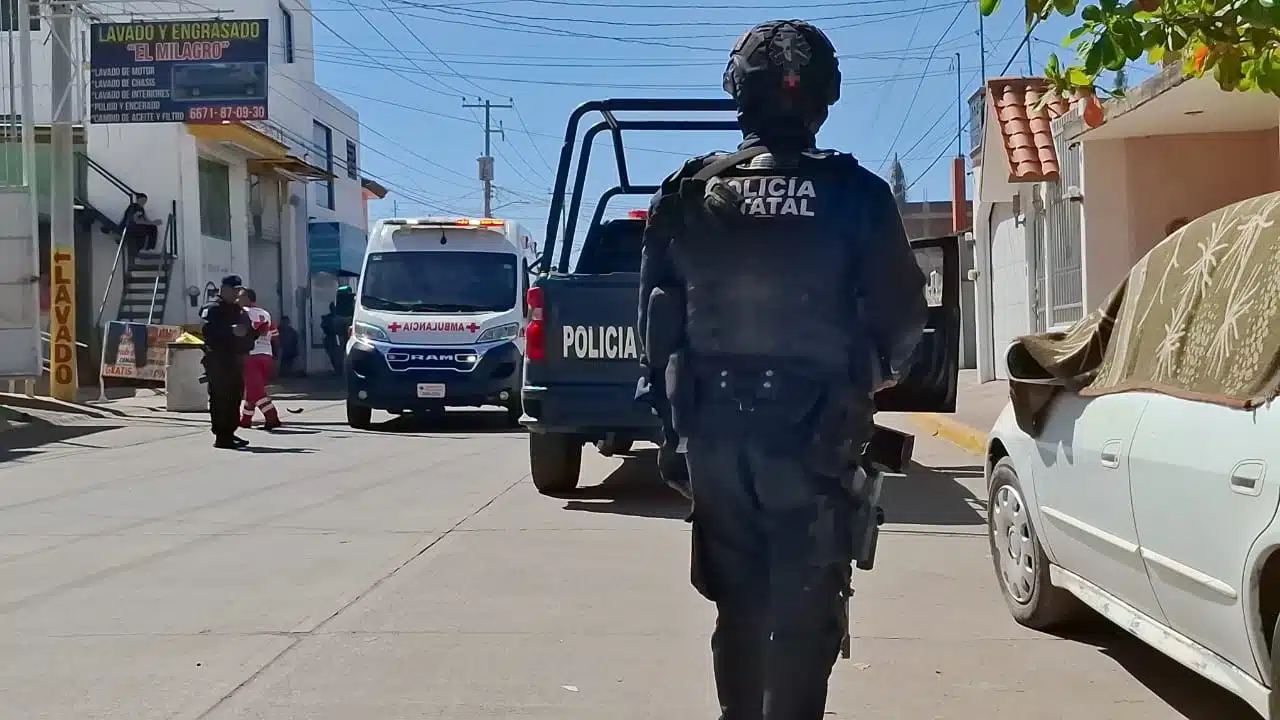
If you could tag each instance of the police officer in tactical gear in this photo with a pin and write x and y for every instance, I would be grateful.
(228, 336)
(778, 294)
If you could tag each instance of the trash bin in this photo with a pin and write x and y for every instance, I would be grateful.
(183, 390)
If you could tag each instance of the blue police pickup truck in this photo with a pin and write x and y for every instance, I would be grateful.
(582, 347)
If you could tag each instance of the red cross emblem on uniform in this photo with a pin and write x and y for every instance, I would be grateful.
(394, 327)
(473, 327)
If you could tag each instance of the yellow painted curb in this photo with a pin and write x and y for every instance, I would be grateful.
(956, 433)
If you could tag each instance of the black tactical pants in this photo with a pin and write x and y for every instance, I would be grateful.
(770, 550)
(226, 392)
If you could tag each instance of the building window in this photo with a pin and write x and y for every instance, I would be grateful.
(215, 199)
(353, 168)
(323, 139)
(286, 24)
(9, 15)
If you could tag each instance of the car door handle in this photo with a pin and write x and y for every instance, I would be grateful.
(1246, 477)
(1110, 456)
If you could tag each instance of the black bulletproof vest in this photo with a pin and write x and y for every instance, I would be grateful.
(774, 287)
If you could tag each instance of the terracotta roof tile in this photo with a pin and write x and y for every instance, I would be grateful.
(1028, 137)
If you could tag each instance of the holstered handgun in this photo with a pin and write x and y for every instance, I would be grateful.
(890, 450)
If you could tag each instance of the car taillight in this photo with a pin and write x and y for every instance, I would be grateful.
(535, 346)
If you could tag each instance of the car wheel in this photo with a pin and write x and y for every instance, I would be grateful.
(359, 416)
(555, 460)
(1022, 570)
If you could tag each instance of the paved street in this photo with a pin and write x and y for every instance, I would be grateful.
(413, 572)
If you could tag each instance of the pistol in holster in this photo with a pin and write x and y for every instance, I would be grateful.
(863, 485)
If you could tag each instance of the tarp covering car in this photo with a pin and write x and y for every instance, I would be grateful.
(1197, 318)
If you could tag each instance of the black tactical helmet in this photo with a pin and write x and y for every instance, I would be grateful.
(784, 67)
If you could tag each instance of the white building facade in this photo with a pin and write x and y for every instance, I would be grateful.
(236, 198)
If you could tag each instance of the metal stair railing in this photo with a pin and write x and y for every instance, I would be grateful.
(170, 244)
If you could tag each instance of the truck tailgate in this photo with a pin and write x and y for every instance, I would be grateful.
(590, 331)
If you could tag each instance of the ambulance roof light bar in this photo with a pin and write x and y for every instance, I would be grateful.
(447, 222)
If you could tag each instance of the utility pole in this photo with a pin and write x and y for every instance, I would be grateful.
(63, 91)
(982, 50)
(486, 161)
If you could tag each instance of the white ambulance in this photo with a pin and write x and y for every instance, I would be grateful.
(439, 317)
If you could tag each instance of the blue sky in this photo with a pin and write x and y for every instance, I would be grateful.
(406, 65)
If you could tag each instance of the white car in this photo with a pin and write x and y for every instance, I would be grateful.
(1160, 514)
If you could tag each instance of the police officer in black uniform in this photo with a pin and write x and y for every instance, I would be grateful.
(228, 337)
(778, 294)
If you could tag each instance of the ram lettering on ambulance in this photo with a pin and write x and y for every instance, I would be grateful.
(435, 330)
(599, 342)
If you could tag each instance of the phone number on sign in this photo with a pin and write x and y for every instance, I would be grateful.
(220, 113)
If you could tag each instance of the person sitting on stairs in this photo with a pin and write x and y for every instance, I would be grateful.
(141, 232)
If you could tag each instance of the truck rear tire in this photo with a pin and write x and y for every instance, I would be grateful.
(555, 460)
(611, 447)
(359, 416)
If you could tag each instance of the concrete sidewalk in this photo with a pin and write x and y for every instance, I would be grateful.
(977, 406)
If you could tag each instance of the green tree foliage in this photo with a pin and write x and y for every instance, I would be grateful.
(1237, 41)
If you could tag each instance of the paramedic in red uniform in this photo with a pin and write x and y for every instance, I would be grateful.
(259, 366)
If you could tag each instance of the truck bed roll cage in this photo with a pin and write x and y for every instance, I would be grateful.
(615, 126)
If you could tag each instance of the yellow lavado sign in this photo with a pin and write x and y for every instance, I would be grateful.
(62, 327)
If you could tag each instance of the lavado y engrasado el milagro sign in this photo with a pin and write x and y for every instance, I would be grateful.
(178, 71)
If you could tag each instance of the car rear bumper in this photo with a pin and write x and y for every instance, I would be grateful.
(588, 410)
(494, 379)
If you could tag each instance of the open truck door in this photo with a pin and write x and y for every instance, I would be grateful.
(931, 381)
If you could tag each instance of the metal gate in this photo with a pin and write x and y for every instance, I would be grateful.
(1065, 287)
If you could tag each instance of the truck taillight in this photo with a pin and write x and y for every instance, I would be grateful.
(535, 346)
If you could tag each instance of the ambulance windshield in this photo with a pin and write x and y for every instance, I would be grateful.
(440, 282)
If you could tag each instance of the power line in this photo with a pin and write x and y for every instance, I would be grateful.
(1030, 29)
(615, 63)
(442, 61)
(920, 84)
(701, 87)
(649, 60)
(875, 118)
(794, 9)
(977, 74)
(387, 40)
(536, 149)
(945, 149)
(858, 19)
(492, 22)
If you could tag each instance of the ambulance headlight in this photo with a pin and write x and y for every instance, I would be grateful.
(501, 332)
(364, 332)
